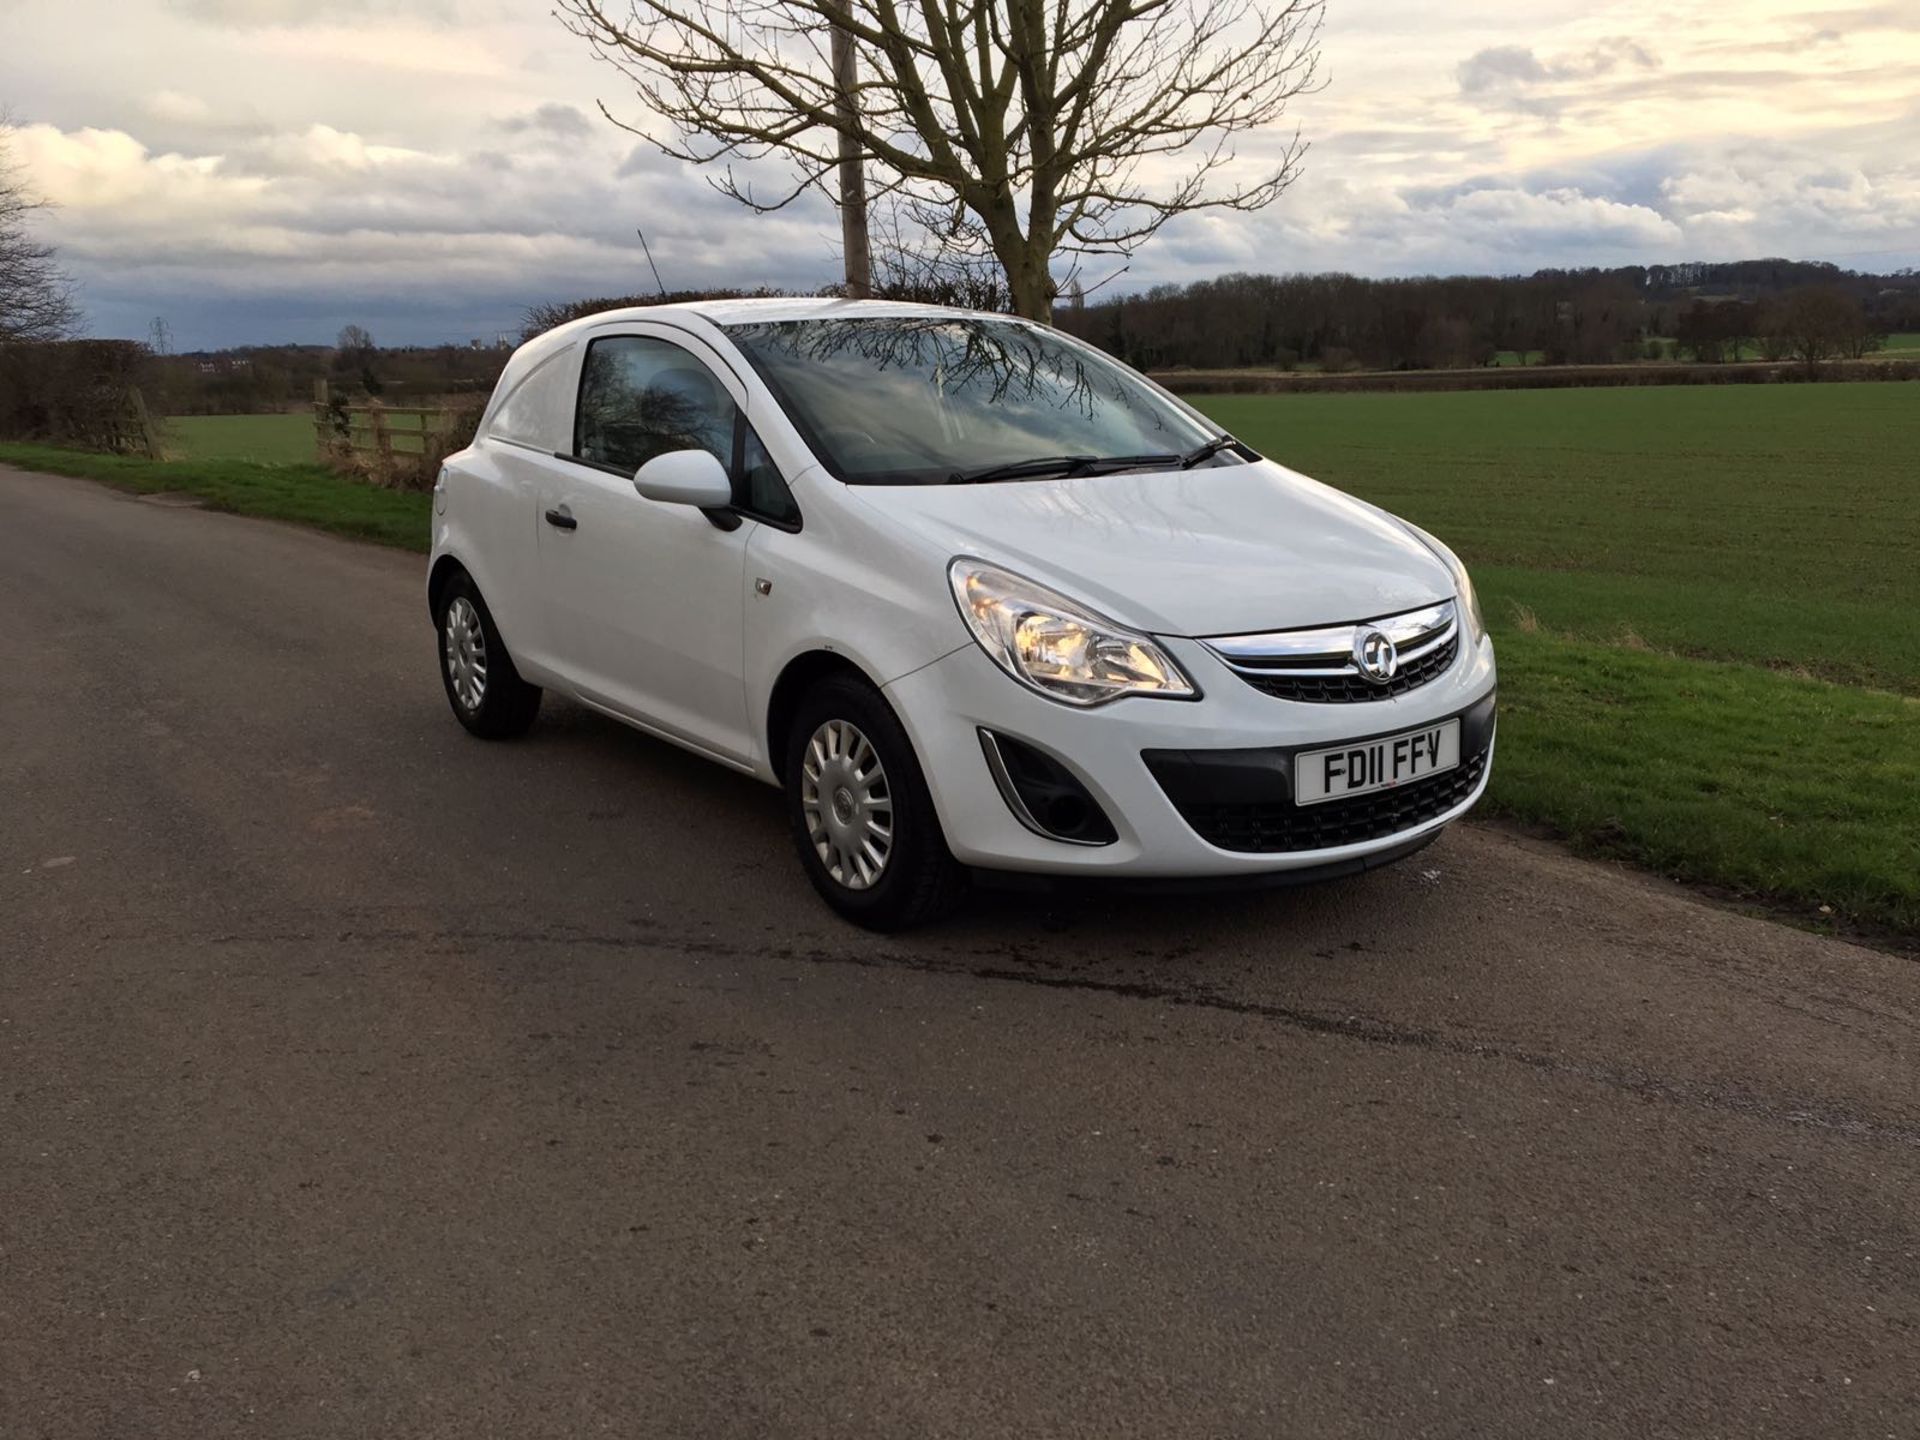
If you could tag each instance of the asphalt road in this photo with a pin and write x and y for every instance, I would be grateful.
(361, 1079)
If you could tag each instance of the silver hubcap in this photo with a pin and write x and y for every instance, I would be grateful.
(847, 805)
(466, 653)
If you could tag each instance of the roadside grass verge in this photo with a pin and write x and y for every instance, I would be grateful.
(1788, 790)
(303, 494)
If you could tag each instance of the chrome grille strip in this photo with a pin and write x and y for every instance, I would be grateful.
(1427, 643)
(1317, 665)
(1413, 634)
(1290, 671)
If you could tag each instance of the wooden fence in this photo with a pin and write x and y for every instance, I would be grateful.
(395, 443)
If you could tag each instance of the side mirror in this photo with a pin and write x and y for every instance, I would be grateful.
(685, 477)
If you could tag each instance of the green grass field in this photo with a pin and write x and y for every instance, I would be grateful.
(1704, 599)
(269, 439)
(1777, 525)
(1899, 346)
(1673, 577)
(263, 439)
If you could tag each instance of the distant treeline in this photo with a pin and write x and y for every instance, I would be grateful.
(1767, 309)
(1771, 309)
(260, 379)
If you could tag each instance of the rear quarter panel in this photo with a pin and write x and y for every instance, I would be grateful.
(487, 526)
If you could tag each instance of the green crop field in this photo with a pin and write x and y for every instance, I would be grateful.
(1904, 344)
(1775, 524)
(262, 439)
(1703, 599)
(267, 439)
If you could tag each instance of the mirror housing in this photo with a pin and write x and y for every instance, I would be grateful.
(685, 477)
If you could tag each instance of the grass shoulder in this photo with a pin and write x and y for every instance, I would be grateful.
(1791, 791)
(304, 494)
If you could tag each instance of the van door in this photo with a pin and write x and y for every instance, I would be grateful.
(644, 601)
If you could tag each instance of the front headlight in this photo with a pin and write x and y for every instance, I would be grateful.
(1469, 598)
(1063, 650)
(1475, 623)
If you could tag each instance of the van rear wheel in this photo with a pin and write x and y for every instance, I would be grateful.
(861, 815)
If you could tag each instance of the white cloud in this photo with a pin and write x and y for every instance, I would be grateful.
(564, 121)
(1496, 228)
(321, 149)
(174, 107)
(403, 47)
(109, 173)
(1767, 197)
(322, 213)
(1507, 73)
(1522, 222)
(279, 164)
(303, 12)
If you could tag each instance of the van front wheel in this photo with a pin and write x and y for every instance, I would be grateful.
(862, 818)
(486, 692)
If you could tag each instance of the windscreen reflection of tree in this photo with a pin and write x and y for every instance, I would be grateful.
(627, 424)
(1008, 362)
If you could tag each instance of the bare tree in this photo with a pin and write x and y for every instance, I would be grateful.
(353, 356)
(909, 264)
(1019, 129)
(36, 297)
(1818, 322)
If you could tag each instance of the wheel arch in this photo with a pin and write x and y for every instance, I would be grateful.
(800, 675)
(445, 568)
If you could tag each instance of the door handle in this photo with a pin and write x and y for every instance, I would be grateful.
(562, 519)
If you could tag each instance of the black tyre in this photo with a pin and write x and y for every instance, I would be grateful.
(486, 692)
(860, 812)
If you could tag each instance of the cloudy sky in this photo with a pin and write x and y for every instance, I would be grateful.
(259, 170)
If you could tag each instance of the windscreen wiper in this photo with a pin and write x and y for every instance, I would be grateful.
(1069, 465)
(1109, 463)
(1200, 454)
(1021, 469)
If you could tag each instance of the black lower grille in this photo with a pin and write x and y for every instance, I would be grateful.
(1349, 689)
(1272, 826)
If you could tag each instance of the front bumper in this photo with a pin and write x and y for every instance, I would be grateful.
(945, 705)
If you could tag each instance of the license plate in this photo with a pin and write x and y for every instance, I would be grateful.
(1368, 765)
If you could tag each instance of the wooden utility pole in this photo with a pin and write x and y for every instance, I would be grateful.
(853, 170)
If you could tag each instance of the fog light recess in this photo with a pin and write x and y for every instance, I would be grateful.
(1043, 794)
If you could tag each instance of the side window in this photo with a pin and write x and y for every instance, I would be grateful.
(758, 487)
(641, 397)
(537, 410)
